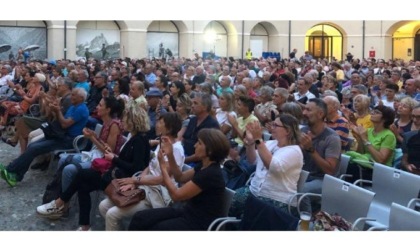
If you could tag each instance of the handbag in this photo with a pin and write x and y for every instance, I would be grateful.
(101, 165)
(326, 222)
(88, 156)
(123, 199)
(53, 130)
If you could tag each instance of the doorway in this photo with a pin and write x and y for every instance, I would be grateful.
(321, 46)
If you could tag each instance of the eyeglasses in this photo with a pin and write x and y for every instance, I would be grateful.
(417, 117)
(375, 112)
(274, 125)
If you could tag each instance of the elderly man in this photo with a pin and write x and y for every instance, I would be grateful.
(149, 75)
(82, 76)
(336, 122)
(154, 110)
(72, 123)
(201, 108)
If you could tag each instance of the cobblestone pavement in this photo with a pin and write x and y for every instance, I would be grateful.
(18, 204)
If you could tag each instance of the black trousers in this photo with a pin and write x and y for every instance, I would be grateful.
(86, 181)
(162, 219)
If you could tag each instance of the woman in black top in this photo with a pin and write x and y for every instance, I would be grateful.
(203, 188)
(134, 157)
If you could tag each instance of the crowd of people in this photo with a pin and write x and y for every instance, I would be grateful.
(169, 126)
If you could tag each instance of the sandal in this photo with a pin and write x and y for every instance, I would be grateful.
(9, 141)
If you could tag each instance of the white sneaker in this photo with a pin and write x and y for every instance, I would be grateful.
(80, 229)
(50, 210)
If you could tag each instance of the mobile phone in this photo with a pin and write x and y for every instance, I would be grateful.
(160, 140)
(273, 115)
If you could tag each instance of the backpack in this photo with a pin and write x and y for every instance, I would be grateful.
(53, 188)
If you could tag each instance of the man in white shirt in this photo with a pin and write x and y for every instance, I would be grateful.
(303, 91)
(5, 78)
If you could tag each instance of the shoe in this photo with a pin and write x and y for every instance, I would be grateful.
(41, 166)
(2, 175)
(10, 177)
(80, 229)
(50, 210)
(9, 141)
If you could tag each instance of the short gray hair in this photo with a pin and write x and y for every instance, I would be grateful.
(205, 100)
(282, 91)
(267, 92)
(81, 91)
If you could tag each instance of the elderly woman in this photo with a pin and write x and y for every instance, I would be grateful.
(294, 109)
(404, 123)
(378, 143)
(263, 110)
(362, 116)
(279, 163)
(30, 97)
(134, 156)
(203, 190)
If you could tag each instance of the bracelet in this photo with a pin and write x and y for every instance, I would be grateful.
(138, 180)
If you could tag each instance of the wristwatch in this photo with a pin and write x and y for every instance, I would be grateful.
(258, 141)
(366, 143)
(311, 149)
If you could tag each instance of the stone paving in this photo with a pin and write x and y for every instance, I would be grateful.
(18, 204)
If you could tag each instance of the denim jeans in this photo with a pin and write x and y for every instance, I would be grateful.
(70, 170)
(313, 186)
(20, 165)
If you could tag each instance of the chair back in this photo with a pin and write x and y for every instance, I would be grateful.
(302, 179)
(403, 218)
(345, 199)
(392, 185)
(98, 129)
(227, 200)
(344, 163)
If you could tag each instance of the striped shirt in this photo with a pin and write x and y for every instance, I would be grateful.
(341, 126)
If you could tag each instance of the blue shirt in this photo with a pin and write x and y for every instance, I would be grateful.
(79, 114)
(151, 78)
(83, 85)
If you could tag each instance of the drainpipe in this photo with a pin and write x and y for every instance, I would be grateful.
(65, 39)
(363, 39)
(290, 36)
(243, 37)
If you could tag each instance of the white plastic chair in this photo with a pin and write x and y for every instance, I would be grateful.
(345, 199)
(391, 186)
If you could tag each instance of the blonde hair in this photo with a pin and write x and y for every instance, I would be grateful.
(136, 118)
(410, 102)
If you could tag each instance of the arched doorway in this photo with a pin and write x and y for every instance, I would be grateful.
(162, 39)
(324, 41)
(98, 39)
(32, 35)
(215, 39)
(406, 41)
(259, 40)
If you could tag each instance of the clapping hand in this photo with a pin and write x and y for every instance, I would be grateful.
(360, 133)
(306, 140)
(254, 128)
